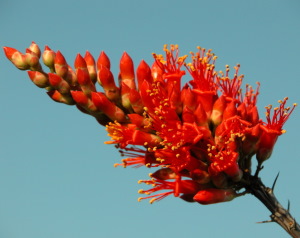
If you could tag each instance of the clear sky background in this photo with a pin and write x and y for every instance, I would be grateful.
(57, 177)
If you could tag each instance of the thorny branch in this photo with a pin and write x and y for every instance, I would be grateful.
(279, 214)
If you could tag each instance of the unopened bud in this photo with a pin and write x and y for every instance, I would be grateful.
(214, 195)
(35, 49)
(48, 58)
(16, 57)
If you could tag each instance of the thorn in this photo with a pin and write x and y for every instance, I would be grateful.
(274, 183)
(288, 207)
(260, 222)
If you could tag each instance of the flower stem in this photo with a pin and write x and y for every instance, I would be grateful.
(279, 214)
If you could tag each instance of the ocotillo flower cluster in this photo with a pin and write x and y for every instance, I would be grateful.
(200, 136)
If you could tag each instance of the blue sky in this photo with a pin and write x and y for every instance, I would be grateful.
(57, 177)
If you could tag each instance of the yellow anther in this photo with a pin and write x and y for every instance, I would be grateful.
(140, 181)
(116, 165)
(148, 165)
(283, 131)
(177, 155)
(139, 199)
(141, 191)
(152, 200)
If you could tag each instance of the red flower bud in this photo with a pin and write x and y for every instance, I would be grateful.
(80, 63)
(33, 60)
(59, 83)
(48, 57)
(60, 65)
(35, 49)
(39, 79)
(106, 106)
(17, 58)
(106, 80)
(85, 82)
(214, 195)
(84, 101)
(143, 72)
(127, 71)
(103, 60)
(136, 101)
(90, 62)
(61, 98)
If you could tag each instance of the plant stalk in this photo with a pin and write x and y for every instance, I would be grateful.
(279, 214)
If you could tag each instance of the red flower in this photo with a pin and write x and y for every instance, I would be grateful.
(206, 132)
(272, 129)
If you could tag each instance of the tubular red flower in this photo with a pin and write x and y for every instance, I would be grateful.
(177, 187)
(125, 135)
(272, 129)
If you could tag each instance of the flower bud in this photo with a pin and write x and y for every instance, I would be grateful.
(106, 106)
(62, 98)
(35, 49)
(59, 83)
(127, 71)
(84, 101)
(143, 72)
(90, 62)
(39, 79)
(60, 65)
(106, 80)
(33, 60)
(85, 82)
(103, 60)
(214, 195)
(17, 58)
(48, 57)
